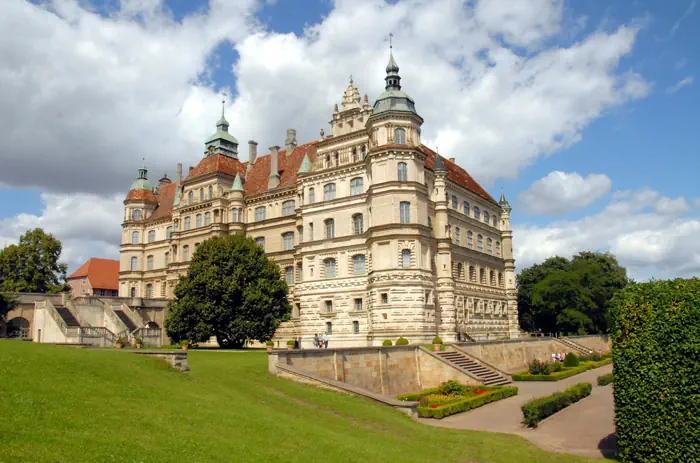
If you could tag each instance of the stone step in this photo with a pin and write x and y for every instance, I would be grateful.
(483, 373)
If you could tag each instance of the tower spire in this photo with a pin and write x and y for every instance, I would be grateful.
(393, 80)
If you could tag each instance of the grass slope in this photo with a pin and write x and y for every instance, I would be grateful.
(65, 405)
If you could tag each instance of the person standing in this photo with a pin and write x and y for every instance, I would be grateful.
(316, 340)
(325, 341)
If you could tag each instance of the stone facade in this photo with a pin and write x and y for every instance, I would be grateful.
(377, 235)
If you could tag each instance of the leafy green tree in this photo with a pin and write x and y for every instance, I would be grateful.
(6, 304)
(570, 296)
(232, 291)
(32, 266)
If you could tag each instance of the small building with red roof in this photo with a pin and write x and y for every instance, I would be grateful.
(96, 277)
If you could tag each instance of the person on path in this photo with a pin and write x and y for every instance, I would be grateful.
(325, 341)
(316, 340)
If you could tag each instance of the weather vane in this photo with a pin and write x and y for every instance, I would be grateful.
(391, 35)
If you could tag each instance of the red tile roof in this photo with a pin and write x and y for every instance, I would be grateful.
(141, 195)
(102, 273)
(288, 166)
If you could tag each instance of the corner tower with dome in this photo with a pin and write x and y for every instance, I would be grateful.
(377, 235)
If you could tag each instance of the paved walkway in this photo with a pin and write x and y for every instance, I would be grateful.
(585, 428)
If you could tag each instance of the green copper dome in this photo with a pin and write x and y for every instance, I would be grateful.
(142, 182)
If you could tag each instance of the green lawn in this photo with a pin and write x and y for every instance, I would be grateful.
(78, 405)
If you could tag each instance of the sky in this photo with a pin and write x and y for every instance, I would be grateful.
(585, 114)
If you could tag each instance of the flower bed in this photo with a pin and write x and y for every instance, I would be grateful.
(538, 409)
(441, 401)
(563, 373)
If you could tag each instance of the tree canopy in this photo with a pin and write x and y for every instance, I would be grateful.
(6, 304)
(231, 291)
(569, 296)
(32, 266)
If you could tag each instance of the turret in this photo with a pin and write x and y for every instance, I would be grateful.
(140, 201)
(221, 142)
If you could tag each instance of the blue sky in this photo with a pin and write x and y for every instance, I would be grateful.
(640, 141)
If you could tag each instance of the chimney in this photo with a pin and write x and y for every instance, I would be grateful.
(452, 160)
(252, 151)
(291, 141)
(179, 173)
(274, 180)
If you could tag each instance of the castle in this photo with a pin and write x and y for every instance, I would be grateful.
(377, 235)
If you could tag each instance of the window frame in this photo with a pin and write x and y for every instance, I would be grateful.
(357, 260)
(405, 258)
(402, 171)
(358, 224)
(330, 263)
(357, 186)
(288, 207)
(329, 191)
(405, 212)
(288, 241)
(329, 228)
(260, 213)
(400, 136)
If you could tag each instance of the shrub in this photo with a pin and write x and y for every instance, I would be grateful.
(451, 387)
(571, 360)
(401, 341)
(387, 342)
(138, 341)
(605, 379)
(536, 410)
(655, 331)
(592, 357)
(467, 403)
(120, 341)
(184, 342)
(555, 367)
(437, 340)
(538, 367)
(270, 343)
(291, 342)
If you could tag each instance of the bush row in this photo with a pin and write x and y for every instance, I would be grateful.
(468, 403)
(605, 379)
(538, 409)
(563, 374)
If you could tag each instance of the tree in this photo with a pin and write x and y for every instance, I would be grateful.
(6, 304)
(231, 291)
(570, 296)
(32, 266)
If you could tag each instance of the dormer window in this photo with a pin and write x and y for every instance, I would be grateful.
(400, 136)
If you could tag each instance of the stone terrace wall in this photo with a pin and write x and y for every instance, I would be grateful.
(513, 355)
(594, 342)
(382, 370)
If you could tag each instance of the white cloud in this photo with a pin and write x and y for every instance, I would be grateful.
(564, 192)
(679, 85)
(87, 225)
(647, 232)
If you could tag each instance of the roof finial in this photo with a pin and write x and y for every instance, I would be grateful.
(350, 78)
(391, 36)
(223, 103)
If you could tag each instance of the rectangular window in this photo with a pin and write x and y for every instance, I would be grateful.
(289, 275)
(358, 224)
(329, 306)
(188, 223)
(358, 264)
(405, 212)
(288, 208)
(355, 327)
(151, 236)
(329, 328)
(312, 195)
(465, 205)
(330, 268)
(103, 292)
(358, 305)
(311, 231)
(84, 280)
(198, 220)
(329, 192)
(385, 298)
(149, 263)
(356, 186)
(288, 241)
(207, 218)
(457, 237)
(114, 293)
(454, 202)
(169, 232)
(260, 241)
(330, 228)
(185, 253)
(300, 231)
(260, 213)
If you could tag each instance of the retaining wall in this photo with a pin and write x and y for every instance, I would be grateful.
(595, 342)
(513, 355)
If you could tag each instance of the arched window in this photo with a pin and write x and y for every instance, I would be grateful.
(149, 290)
(198, 220)
(289, 275)
(357, 224)
(457, 237)
(288, 241)
(400, 136)
(477, 214)
(201, 194)
(405, 212)
(288, 207)
(470, 239)
(406, 258)
(489, 245)
(185, 253)
(329, 191)
(188, 223)
(135, 238)
(330, 228)
(329, 266)
(498, 248)
(149, 262)
(402, 172)
(355, 158)
(260, 213)
(134, 263)
(480, 243)
(312, 195)
(190, 197)
(465, 206)
(207, 218)
(260, 241)
(133, 292)
(486, 217)
(358, 264)
(211, 192)
(356, 186)
(136, 215)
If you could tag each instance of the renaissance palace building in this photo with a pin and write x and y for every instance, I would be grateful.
(377, 235)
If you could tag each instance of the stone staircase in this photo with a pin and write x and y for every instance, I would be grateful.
(130, 326)
(489, 376)
(572, 345)
(67, 316)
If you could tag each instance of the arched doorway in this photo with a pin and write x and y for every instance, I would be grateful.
(152, 326)
(18, 327)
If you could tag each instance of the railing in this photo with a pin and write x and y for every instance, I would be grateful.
(133, 315)
(49, 307)
(96, 332)
(149, 336)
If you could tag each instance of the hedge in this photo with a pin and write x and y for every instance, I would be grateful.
(655, 330)
(468, 403)
(559, 375)
(605, 379)
(536, 410)
(414, 396)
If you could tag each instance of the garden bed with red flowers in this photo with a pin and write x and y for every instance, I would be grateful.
(451, 397)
